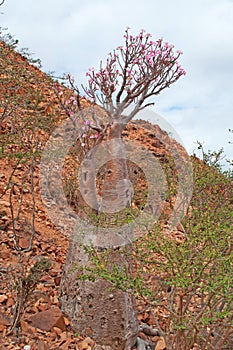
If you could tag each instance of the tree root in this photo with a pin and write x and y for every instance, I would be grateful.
(148, 330)
(144, 345)
(140, 344)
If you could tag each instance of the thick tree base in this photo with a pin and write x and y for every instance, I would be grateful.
(95, 309)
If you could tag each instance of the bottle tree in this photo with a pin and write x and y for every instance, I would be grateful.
(132, 75)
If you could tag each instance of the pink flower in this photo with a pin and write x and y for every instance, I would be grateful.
(146, 59)
(181, 71)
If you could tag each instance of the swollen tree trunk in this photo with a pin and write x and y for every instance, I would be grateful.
(117, 192)
(96, 308)
(87, 182)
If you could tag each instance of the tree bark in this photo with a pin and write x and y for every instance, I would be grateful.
(87, 182)
(117, 192)
(95, 308)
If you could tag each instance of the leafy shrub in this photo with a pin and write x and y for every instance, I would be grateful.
(188, 284)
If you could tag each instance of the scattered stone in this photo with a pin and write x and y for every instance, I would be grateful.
(161, 344)
(25, 328)
(66, 345)
(41, 345)
(4, 320)
(67, 322)
(57, 280)
(4, 203)
(101, 347)
(24, 242)
(10, 302)
(3, 298)
(86, 344)
(57, 330)
(2, 347)
(3, 214)
(46, 320)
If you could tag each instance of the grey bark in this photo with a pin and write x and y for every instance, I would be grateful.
(96, 309)
(87, 181)
(118, 192)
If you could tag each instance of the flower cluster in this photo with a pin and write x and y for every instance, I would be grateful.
(87, 133)
(71, 105)
(140, 66)
(71, 101)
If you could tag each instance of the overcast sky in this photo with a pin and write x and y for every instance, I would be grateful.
(73, 35)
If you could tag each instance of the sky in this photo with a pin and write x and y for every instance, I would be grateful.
(71, 36)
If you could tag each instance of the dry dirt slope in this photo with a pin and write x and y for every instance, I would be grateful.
(29, 111)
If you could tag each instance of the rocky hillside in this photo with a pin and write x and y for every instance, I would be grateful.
(32, 248)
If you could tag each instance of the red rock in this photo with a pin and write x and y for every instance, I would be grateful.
(4, 203)
(57, 280)
(66, 345)
(86, 344)
(24, 242)
(5, 254)
(10, 302)
(48, 319)
(2, 328)
(57, 331)
(161, 344)
(67, 322)
(4, 320)
(41, 345)
(25, 327)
